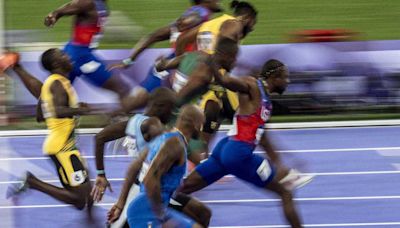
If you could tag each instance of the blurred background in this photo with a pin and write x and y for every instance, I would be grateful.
(343, 55)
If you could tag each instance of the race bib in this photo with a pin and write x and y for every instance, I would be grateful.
(179, 82)
(205, 41)
(264, 171)
(129, 144)
(77, 178)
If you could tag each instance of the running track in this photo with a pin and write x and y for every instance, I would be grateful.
(357, 182)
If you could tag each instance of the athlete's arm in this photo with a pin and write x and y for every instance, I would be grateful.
(109, 133)
(199, 79)
(268, 147)
(160, 34)
(170, 154)
(188, 37)
(60, 100)
(131, 176)
(229, 82)
(187, 22)
(33, 85)
(74, 7)
(168, 64)
(231, 29)
(39, 112)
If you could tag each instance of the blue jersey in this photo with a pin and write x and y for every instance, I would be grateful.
(170, 180)
(140, 212)
(134, 142)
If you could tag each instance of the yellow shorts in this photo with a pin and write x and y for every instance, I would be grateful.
(70, 168)
(220, 97)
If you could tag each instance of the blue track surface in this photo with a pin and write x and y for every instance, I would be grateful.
(357, 182)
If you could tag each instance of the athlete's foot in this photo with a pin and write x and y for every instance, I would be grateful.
(18, 188)
(294, 179)
(8, 60)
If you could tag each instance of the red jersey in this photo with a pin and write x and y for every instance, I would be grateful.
(249, 128)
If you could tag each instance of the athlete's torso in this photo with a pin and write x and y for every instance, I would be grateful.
(186, 67)
(171, 179)
(208, 33)
(89, 34)
(248, 128)
(61, 136)
(134, 141)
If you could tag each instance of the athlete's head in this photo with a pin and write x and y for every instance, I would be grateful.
(226, 51)
(161, 103)
(191, 118)
(56, 60)
(212, 5)
(247, 13)
(276, 75)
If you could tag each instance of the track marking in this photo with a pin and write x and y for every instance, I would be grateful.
(227, 201)
(303, 174)
(317, 225)
(257, 152)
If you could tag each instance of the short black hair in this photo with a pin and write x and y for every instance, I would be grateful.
(196, 2)
(48, 59)
(227, 45)
(271, 68)
(243, 8)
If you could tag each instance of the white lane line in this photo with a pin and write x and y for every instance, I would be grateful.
(275, 126)
(58, 181)
(304, 199)
(318, 225)
(47, 158)
(257, 152)
(228, 201)
(302, 174)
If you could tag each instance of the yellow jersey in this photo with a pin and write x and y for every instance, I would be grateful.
(208, 33)
(62, 130)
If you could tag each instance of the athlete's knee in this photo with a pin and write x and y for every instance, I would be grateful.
(79, 201)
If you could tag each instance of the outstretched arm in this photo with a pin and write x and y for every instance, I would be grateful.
(168, 64)
(131, 176)
(109, 133)
(170, 154)
(72, 8)
(160, 34)
(227, 81)
(187, 37)
(33, 85)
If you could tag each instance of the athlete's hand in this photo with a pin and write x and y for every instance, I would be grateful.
(161, 63)
(114, 213)
(99, 188)
(50, 19)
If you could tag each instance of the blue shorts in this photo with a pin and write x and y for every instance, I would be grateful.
(141, 215)
(86, 64)
(154, 79)
(237, 158)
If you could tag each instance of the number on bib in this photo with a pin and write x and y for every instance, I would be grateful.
(205, 41)
(130, 145)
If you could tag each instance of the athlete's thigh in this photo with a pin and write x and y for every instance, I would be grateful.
(70, 168)
(94, 70)
(239, 159)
